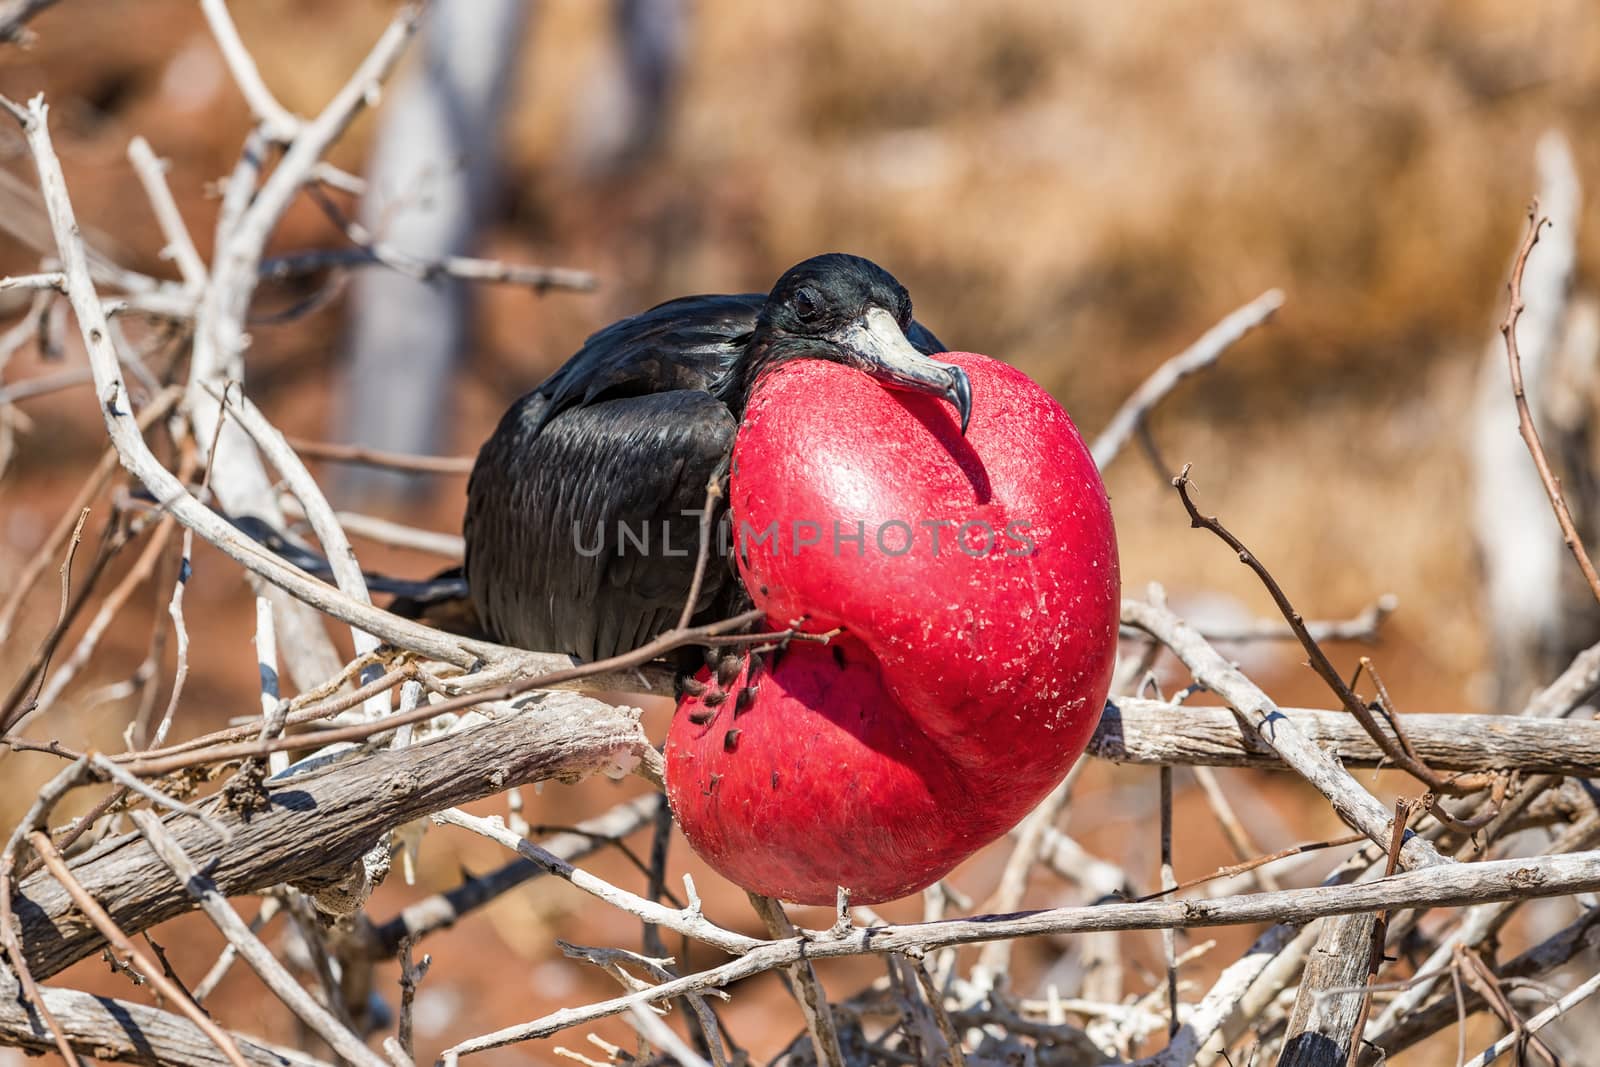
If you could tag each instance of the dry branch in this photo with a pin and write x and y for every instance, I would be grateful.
(277, 978)
(126, 1032)
(1357, 807)
(1197, 357)
(1525, 425)
(316, 824)
(1135, 730)
(1449, 885)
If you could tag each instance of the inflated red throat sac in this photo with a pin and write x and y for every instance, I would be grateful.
(974, 581)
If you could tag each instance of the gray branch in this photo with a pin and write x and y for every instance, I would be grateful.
(315, 826)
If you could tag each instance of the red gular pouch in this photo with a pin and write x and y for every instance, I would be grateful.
(974, 579)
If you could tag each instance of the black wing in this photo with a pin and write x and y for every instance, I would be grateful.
(688, 343)
(582, 533)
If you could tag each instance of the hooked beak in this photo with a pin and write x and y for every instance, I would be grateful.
(878, 345)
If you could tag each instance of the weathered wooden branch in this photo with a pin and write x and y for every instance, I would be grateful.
(313, 826)
(1134, 730)
(1328, 1005)
(126, 1032)
(1439, 885)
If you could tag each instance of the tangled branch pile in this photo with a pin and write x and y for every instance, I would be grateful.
(306, 803)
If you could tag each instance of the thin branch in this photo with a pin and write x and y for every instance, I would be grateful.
(373, 457)
(1197, 357)
(1358, 808)
(283, 985)
(1319, 661)
(1440, 886)
(125, 948)
(281, 124)
(180, 246)
(1530, 433)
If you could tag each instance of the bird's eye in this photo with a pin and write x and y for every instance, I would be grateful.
(808, 304)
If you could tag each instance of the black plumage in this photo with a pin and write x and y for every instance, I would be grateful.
(582, 523)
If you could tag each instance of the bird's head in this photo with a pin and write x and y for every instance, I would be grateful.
(850, 310)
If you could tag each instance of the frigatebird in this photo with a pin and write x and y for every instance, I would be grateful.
(584, 508)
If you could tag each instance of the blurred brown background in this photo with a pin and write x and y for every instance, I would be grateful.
(1080, 189)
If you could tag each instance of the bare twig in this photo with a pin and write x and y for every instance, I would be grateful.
(152, 175)
(16, 708)
(125, 948)
(283, 985)
(807, 989)
(1357, 807)
(1438, 886)
(35, 567)
(14, 16)
(1583, 992)
(373, 457)
(280, 123)
(1530, 433)
(1319, 661)
(1197, 357)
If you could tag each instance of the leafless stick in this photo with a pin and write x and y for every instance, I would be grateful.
(110, 608)
(154, 766)
(807, 989)
(281, 124)
(954, 1056)
(120, 943)
(411, 974)
(373, 457)
(180, 629)
(1319, 661)
(383, 531)
(1256, 863)
(1139, 731)
(19, 963)
(1475, 973)
(283, 985)
(1558, 949)
(180, 246)
(326, 818)
(1530, 433)
(1197, 357)
(126, 1032)
(1538, 1022)
(370, 253)
(225, 959)
(1357, 807)
(138, 458)
(1169, 881)
(613, 961)
(689, 921)
(1363, 627)
(1438, 886)
(45, 385)
(303, 710)
(92, 487)
(1238, 837)
(50, 280)
(14, 16)
(274, 709)
(995, 959)
(691, 601)
(16, 708)
(444, 910)
(1477, 925)
(658, 1033)
(336, 546)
